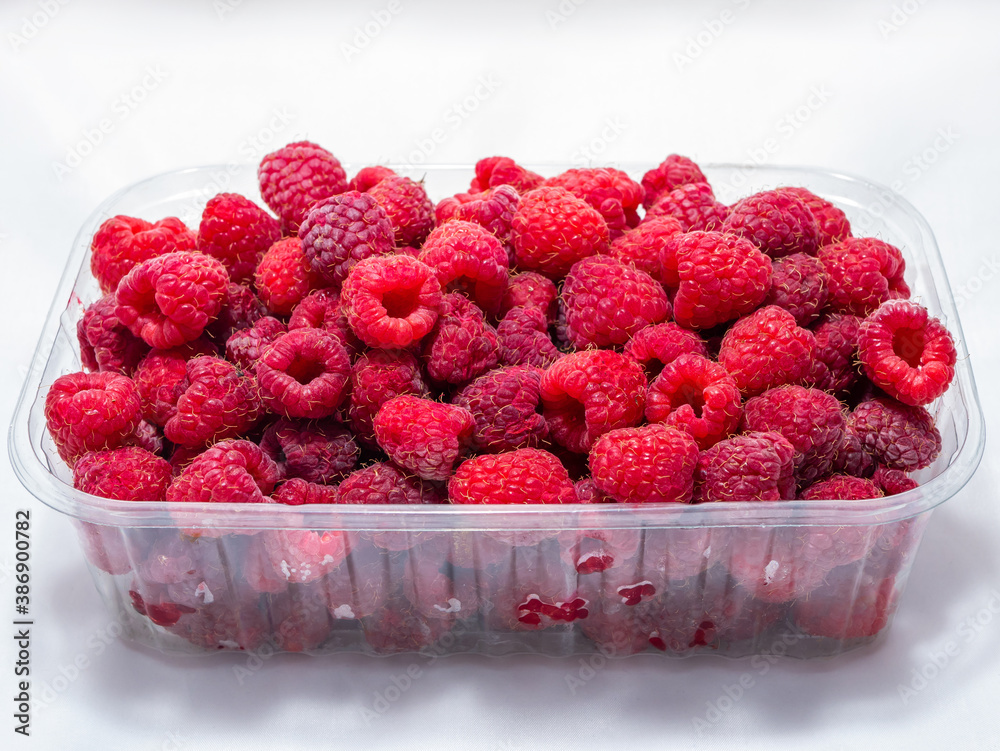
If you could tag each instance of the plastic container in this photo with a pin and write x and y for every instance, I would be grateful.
(725, 579)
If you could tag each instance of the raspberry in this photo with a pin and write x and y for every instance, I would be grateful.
(246, 347)
(533, 592)
(493, 210)
(297, 491)
(369, 177)
(783, 563)
(766, 349)
(105, 344)
(241, 309)
(586, 394)
(588, 492)
(841, 488)
(323, 310)
(833, 367)
(852, 458)
(303, 556)
(717, 277)
(237, 232)
(377, 376)
(447, 208)
(693, 205)
(651, 464)
(776, 221)
(613, 193)
(798, 284)
(469, 260)
(696, 395)
(304, 374)
(504, 404)
(831, 222)
(436, 595)
(300, 621)
(320, 452)
(529, 289)
(524, 475)
(607, 302)
(295, 177)
(149, 437)
(906, 352)
(396, 629)
(221, 626)
(170, 299)
(661, 344)
(643, 246)
(410, 211)
(161, 377)
(810, 419)
(494, 171)
(863, 273)
(748, 467)
(423, 436)
(342, 230)
(849, 605)
(219, 401)
(892, 481)
(122, 242)
(391, 302)
(384, 482)
(91, 412)
(553, 229)
(124, 474)
(231, 471)
(523, 338)
(590, 551)
(671, 173)
(898, 435)
(462, 345)
(360, 586)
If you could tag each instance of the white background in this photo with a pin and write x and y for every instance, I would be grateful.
(903, 93)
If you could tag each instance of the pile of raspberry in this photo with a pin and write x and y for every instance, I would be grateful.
(577, 339)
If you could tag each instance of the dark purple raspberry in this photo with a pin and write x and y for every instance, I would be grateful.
(246, 347)
(834, 367)
(106, 344)
(776, 221)
(798, 284)
(898, 435)
(523, 338)
(505, 404)
(749, 467)
(462, 345)
(319, 451)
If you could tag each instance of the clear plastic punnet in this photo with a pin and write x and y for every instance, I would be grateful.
(803, 578)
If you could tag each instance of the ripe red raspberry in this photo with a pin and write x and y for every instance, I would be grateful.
(297, 491)
(123, 242)
(525, 475)
(811, 420)
(798, 284)
(170, 299)
(717, 277)
(323, 310)
(656, 346)
(392, 301)
(553, 229)
(342, 230)
(319, 451)
(369, 177)
(863, 273)
(586, 394)
(671, 173)
(523, 338)
(462, 345)
(384, 482)
(696, 395)
(892, 481)
(303, 556)
(651, 464)
(906, 352)
(504, 404)
(776, 221)
(304, 374)
(124, 474)
(767, 349)
(424, 436)
(231, 471)
(377, 376)
(219, 401)
(899, 436)
(831, 222)
(841, 488)
(91, 412)
(529, 289)
(493, 210)
(470, 260)
(494, 171)
(240, 310)
(237, 232)
(747, 467)
(105, 344)
(608, 301)
(295, 177)
(161, 377)
(693, 205)
(834, 367)
(610, 191)
(643, 246)
(447, 208)
(410, 211)
(246, 347)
